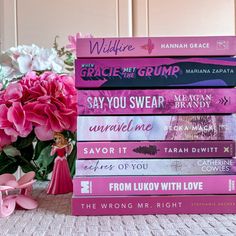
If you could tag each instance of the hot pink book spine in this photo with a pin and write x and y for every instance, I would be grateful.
(140, 205)
(158, 101)
(155, 149)
(152, 185)
(156, 46)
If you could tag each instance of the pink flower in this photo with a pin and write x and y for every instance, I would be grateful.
(13, 92)
(5, 124)
(72, 39)
(45, 103)
(16, 115)
(5, 139)
(52, 103)
(13, 121)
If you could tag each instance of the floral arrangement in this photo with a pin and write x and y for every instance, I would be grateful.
(37, 98)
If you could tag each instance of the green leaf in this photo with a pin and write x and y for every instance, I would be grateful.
(69, 69)
(27, 168)
(41, 176)
(24, 142)
(45, 159)
(11, 151)
(40, 145)
(25, 160)
(71, 160)
(28, 152)
(68, 63)
(43, 162)
(71, 135)
(8, 164)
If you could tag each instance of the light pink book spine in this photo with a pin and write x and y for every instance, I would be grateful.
(155, 149)
(152, 185)
(157, 101)
(156, 46)
(143, 205)
(176, 127)
(155, 167)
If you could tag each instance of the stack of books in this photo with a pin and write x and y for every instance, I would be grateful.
(156, 126)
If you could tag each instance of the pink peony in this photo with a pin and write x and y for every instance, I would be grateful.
(5, 139)
(45, 103)
(13, 121)
(17, 116)
(13, 92)
(52, 103)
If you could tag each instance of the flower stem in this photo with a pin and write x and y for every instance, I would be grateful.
(34, 168)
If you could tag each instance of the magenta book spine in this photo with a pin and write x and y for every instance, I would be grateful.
(155, 72)
(156, 46)
(154, 185)
(155, 149)
(155, 167)
(157, 101)
(181, 127)
(140, 205)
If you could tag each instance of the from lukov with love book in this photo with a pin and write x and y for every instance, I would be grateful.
(155, 167)
(155, 149)
(156, 46)
(154, 185)
(155, 72)
(157, 101)
(144, 205)
(176, 127)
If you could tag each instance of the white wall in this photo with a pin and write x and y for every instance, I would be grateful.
(39, 21)
(7, 24)
(184, 17)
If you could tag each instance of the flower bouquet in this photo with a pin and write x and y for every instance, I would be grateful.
(37, 99)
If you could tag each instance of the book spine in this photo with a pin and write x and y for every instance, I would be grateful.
(155, 72)
(201, 127)
(156, 46)
(143, 205)
(155, 149)
(154, 185)
(158, 101)
(155, 167)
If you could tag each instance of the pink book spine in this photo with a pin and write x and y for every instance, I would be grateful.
(140, 205)
(155, 167)
(156, 149)
(155, 72)
(156, 46)
(181, 127)
(158, 101)
(154, 185)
